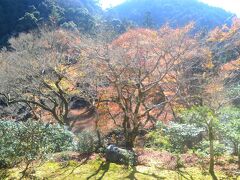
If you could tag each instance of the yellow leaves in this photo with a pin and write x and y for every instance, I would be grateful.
(60, 68)
(209, 64)
(214, 88)
(65, 84)
(238, 63)
(102, 108)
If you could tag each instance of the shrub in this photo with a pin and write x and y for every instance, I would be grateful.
(156, 140)
(174, 137)
(183, 135)
(28, 141)
(203, 148)
(87, 142)
(229, 128)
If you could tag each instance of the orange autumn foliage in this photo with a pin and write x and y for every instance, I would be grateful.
(231, 66)
(224, 33)
(141, 57)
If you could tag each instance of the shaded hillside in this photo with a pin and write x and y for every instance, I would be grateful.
(90, 5)
(25, 15)
(176, 12)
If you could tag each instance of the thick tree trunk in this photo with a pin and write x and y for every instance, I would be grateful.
(127, 133)
(129, 144)
(130, 139)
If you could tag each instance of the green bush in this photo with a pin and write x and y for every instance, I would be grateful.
(203, 149)
(28, 141)
(174, 137)
(229, 128)
(87, 142)
(182, 136)
(156, 140)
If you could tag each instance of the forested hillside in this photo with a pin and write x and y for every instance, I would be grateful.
(177, 13)
(25, 15)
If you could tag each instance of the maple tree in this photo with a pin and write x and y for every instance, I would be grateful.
(142, 70)
(44, 72)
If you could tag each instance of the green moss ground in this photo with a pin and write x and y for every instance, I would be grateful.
(98, 169)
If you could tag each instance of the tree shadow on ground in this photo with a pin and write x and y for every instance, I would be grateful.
(134, 171)
(184, 174)
(104, 166)
(4, 173)
(84, 158)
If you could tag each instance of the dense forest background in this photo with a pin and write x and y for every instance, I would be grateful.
(176, 12)
(25, 15)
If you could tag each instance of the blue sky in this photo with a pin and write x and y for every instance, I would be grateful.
(229, 5)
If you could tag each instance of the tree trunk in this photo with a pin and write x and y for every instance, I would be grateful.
(127, 133)
(129, 144)
(24, 172)
(238, 159)
(235, 150)
(97, 129)
(211, 152)
(130, 139)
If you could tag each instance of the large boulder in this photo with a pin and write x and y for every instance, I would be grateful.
(118, 155)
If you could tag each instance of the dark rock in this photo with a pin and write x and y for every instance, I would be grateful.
(78, 103)
(24, 117)
(118, 155)
(70, 60)
(22, 110)
(3, 103)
